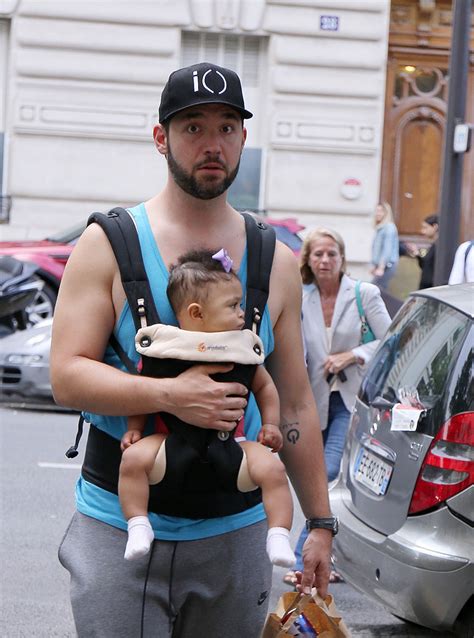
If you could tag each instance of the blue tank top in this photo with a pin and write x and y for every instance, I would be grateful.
(98, 503)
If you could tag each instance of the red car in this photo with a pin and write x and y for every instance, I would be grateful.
(52, 253)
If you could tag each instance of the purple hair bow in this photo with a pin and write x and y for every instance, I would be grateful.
(223, 256)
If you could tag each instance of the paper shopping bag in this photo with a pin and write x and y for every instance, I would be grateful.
(306, 616)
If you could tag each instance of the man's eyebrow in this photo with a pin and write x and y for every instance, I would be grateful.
(230, 115)
(189, 115)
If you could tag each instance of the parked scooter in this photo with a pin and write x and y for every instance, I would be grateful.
(18, 288)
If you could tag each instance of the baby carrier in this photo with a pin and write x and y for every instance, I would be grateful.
(201, 463)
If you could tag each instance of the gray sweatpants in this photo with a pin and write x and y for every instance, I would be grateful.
(212, 588)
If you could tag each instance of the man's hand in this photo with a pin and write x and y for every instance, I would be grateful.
(270, 436)
(412, 249)
(129, 438)
(379, 271)
(197, 399)
(317, 562)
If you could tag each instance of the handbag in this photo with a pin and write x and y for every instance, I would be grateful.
(308, 615)
(366, 334)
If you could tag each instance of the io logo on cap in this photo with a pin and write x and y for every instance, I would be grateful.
(204, 82)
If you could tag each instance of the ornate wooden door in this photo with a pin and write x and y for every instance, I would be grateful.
(413, 139)
(415, 114)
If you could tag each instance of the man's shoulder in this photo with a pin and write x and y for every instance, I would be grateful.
(285, 266)
(285, 282)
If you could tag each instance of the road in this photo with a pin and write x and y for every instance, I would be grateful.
(37, 501)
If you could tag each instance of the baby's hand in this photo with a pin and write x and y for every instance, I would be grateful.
(129, 438)
(271, 436)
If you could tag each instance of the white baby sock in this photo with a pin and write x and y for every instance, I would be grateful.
(279, 548)
(140, 537)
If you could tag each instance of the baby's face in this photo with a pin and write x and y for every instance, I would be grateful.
(221, 310)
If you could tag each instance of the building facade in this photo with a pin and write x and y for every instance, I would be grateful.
(81, 81)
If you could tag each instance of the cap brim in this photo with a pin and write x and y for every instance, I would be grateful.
(245, 114)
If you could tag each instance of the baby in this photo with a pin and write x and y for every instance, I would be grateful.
(205, 294)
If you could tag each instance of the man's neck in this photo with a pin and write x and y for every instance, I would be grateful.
(181, 223)
(179, 207)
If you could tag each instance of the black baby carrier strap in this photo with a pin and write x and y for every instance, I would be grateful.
(195, 456)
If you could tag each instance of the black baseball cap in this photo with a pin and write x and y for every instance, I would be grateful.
(202, 83)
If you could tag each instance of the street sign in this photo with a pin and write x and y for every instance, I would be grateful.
(329, 23)
(462, 138)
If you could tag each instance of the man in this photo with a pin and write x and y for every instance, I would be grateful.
(426, 258)
(207, 577)
(462, 270)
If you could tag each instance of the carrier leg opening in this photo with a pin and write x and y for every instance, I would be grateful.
(244, 481)
(159, 466)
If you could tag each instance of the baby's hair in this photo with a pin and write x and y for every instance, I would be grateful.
(190, 278)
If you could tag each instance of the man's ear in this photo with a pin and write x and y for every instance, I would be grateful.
(244, 136)
(161, 139)
(194, 311)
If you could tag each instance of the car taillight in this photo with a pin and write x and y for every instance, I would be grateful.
(448, 467)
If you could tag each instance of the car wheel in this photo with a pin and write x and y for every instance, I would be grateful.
(43, 305)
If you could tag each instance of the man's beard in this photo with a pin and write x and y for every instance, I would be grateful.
(190, 184)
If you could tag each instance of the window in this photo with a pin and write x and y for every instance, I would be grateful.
(417, 354)
(241, 53)
(244, 194)
(244, 54)
(420, 81)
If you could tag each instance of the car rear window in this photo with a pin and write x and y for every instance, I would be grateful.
(417, 354)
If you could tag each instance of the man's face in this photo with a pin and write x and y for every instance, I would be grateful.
(429, 230)
(204, 145)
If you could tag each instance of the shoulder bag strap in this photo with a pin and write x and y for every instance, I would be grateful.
(360, 308)
(365, 330)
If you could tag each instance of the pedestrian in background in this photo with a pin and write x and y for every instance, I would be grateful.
(385, 248)
(426, 258)
(336, 355)
(463, 265)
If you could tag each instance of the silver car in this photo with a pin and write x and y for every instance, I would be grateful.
(24, 363)
(405, 497)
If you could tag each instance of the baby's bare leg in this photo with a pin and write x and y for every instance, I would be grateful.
(268, 472)
(137, 463)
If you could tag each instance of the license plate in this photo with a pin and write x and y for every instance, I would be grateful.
(372, 472)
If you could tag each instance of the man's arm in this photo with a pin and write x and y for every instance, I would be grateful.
(90, 298)
(302, 450)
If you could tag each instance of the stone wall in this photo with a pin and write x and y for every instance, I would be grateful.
(84, 85)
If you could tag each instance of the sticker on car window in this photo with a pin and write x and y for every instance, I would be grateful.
(405, 417)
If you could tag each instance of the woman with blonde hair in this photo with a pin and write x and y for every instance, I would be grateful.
(385, 246)
(336, 355)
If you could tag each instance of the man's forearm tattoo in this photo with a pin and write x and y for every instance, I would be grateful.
(291, 431)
